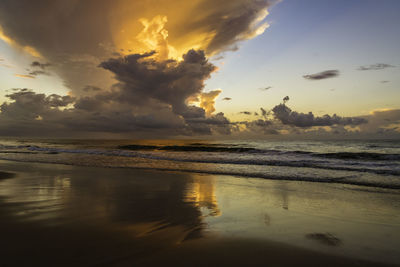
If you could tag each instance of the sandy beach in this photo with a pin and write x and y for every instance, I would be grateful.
(60, 215)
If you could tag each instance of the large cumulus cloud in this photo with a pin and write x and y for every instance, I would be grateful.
(150, 97)
(143, 82)
(75, 36)
(142, 78)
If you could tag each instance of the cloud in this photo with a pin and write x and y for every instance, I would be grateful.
(32, 74)
(76, 36)
(285, 99)
(32, 114)
(245, 112)
(288, 117)
(378, 66)
(24, 76)
(264, 113)
(25, 48)
(382, 122)
(38, 72)
(151, 98)
(264, 127)
(266, 88)
(90, 88)
(37, 64)
(322, 75)
(385, 81)
(207, 101)
(226, 98)
(241, 20)
(145, 82)
(143, 79)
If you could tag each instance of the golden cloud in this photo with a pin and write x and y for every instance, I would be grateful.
(26, 48)
(24, 76)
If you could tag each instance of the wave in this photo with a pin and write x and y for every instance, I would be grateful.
(371, 167)
(224, 148)
(191, 148)
(199, 147)
(359, 155)
(345, 180)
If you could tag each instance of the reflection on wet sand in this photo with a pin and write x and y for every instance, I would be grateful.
(96, 196)
(282, 192)
(201, 192)
(110, 207)
(86, 216)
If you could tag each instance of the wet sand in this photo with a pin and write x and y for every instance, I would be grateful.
(58, 215)
(6, 175)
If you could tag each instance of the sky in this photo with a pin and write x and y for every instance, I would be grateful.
(202, 68)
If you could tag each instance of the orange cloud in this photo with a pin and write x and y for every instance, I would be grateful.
(207, 101)
(27, 49)
(24, 76)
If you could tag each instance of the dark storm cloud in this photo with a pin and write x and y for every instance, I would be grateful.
(150, 96)
(239, 22)
(28, 107)
(226, 98)
(206, 125)
(378, 66)
(37, 114)
(28, 101)
(66, 33)
(170, 82)
(288, 117)
(322, 75)
(144, 81)
(33, 114)
(75, 36)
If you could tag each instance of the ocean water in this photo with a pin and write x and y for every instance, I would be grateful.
(363, 163)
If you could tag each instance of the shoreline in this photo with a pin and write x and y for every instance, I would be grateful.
(336, 181)
(86, 212)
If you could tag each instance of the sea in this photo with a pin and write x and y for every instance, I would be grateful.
(370, 164)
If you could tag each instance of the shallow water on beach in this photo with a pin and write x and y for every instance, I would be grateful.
(368, 163)
(115, 211)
